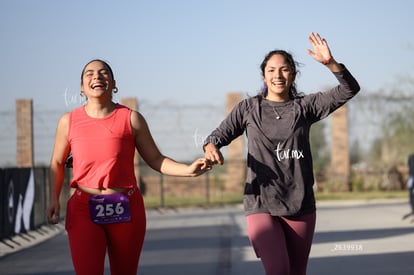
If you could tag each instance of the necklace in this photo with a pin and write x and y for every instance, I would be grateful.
(276, 113)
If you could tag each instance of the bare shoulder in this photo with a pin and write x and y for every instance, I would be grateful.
(64, 120)
(62, 129)
(137, 120)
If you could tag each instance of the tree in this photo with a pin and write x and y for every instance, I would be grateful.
(398, 137)
(320, 150)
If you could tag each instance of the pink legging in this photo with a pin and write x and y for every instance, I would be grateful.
(282, 243)
(89, 241)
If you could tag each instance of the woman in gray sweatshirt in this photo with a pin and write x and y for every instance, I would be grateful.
(278, 197)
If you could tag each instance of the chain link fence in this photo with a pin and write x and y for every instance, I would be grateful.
(180, 129)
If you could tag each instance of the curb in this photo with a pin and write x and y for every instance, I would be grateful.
(31, 238)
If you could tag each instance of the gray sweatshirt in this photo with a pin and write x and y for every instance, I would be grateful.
(279, 176)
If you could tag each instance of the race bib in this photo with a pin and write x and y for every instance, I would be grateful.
(113, 208)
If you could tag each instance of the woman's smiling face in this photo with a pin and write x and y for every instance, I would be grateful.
(278, 77)
(97, 79)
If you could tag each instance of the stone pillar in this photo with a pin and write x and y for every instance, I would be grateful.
(24, 133)
(340, 160)
(132, 103)
(236, 164)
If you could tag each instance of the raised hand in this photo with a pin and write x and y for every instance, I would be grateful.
(321, 51)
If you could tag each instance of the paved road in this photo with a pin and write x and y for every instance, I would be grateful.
(351, 238)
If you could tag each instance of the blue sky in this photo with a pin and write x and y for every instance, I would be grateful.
(193, 51)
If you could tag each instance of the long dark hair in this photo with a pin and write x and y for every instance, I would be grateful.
(293, 92)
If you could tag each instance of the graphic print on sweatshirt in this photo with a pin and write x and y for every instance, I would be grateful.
(288, 153)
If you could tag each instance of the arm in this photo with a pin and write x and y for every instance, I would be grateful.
(229, 129)
(327, 102)
(322, 54)
(57, 167)
(152, 156)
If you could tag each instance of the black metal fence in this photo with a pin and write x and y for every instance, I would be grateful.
(24, 197)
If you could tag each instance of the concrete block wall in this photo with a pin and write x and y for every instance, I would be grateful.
(24, 133)
(340, 160)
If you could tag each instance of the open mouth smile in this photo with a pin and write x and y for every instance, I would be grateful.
(98, 85)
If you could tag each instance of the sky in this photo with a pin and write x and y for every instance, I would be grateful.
(193, 52)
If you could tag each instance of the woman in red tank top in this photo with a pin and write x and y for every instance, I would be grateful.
(106, 211)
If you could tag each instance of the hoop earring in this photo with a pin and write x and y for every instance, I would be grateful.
(82, 94)
(115, 90)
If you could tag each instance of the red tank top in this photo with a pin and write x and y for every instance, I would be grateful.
(103, 149)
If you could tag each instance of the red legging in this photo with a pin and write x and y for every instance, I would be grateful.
(89, 241)
(282, 243)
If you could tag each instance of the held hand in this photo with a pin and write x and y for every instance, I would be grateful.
(213, 154)
(199, 166)
(321, 51)
(53, 213)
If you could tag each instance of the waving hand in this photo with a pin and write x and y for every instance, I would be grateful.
(321, 51)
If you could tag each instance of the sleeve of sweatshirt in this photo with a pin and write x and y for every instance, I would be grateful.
(324, 103)
(230, 128)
